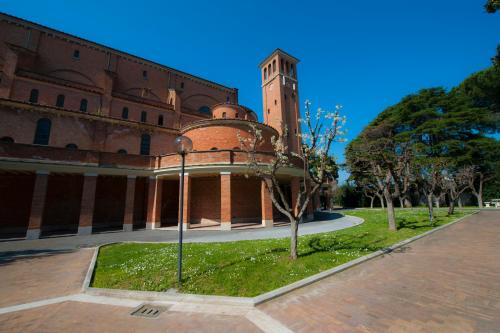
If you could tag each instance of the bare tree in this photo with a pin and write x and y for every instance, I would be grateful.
(430, 175)
(475, 179)
(455, 183)
(320, 131)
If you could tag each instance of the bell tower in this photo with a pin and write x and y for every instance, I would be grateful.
(280, 95)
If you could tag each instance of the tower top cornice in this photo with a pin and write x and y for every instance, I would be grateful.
(280, 52)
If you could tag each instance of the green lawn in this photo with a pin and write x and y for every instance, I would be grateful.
(249, 268)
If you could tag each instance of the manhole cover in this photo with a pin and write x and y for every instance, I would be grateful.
(148, 310)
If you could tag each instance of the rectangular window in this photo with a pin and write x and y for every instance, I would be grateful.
(144, 116)
(76, 54)
(160, 120)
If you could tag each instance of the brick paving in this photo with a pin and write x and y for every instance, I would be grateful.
(446, 282)
(42, 275)
(86, 317)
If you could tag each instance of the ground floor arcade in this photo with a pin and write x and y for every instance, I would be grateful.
(42, 203)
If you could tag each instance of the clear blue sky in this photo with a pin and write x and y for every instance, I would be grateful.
(365, 54)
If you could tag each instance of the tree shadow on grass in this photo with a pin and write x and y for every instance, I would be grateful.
(412, 224)
(249, 258)
(362, 242)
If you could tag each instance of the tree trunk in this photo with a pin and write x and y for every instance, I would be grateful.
(294, 225)
(479, 197)
(391, 219)
(381, 198)
(372, 199)
(460, 205)
(451, 207)
(408, 203)
(437, 201)
(401, 204)
(430, 207)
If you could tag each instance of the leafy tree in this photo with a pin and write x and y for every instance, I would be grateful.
(492, 6)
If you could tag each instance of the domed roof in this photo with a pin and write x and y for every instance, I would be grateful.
(233, 111)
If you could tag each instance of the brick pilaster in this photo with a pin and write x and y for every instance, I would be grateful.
(266, 206)
(87, 205)
(154, 203)
(37, 205)
(128, 218)
(187, 202)
(225, 201)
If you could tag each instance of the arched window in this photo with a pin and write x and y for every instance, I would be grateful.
(71, 146)
(83, 105)
(265, 73)
(34, 96)
(269, 70)
(274, 65)
(160, 120)
(145, 75)
(223, 115)
(282, 66)
(76, 54)
(213, 148)
(42, 133)
(292, 70)
(236, 148)
(125, 113)
(204, 109)
(60, 101)
(7, 139)
(144, 116)
(287, 67)
(145, 144)
(122, 151)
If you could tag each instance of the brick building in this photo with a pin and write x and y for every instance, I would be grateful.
(87, 138)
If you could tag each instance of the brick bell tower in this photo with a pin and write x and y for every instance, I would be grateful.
(280, 95)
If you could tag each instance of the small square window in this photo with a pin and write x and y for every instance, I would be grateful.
(76, 54)
(145, 75)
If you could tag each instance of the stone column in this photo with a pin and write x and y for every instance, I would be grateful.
(154, 203)
(87, 205)
(187, 201)
(37, 205)
(266, 205)
(225, 201)
(295, 188)
(128, 218)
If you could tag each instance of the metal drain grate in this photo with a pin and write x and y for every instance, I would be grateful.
(148, 310)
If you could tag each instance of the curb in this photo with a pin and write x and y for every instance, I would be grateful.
(243, 301)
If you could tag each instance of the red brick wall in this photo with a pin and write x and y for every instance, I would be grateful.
(16, 191)
(170, 202)
(245, 198)
(62, 203)
(109, 201)
(224, 136)
(140, 201)
(205, 198)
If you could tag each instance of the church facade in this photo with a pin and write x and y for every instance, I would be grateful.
(87, 139)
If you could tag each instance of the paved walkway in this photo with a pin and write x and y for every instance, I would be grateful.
(326, 222)
(446, 282)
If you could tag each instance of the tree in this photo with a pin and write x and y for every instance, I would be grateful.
(430, 173)
(455, 183)
(492, 6)
(320, 132)
(376, 153)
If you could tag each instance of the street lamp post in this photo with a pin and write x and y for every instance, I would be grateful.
(183, 146)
